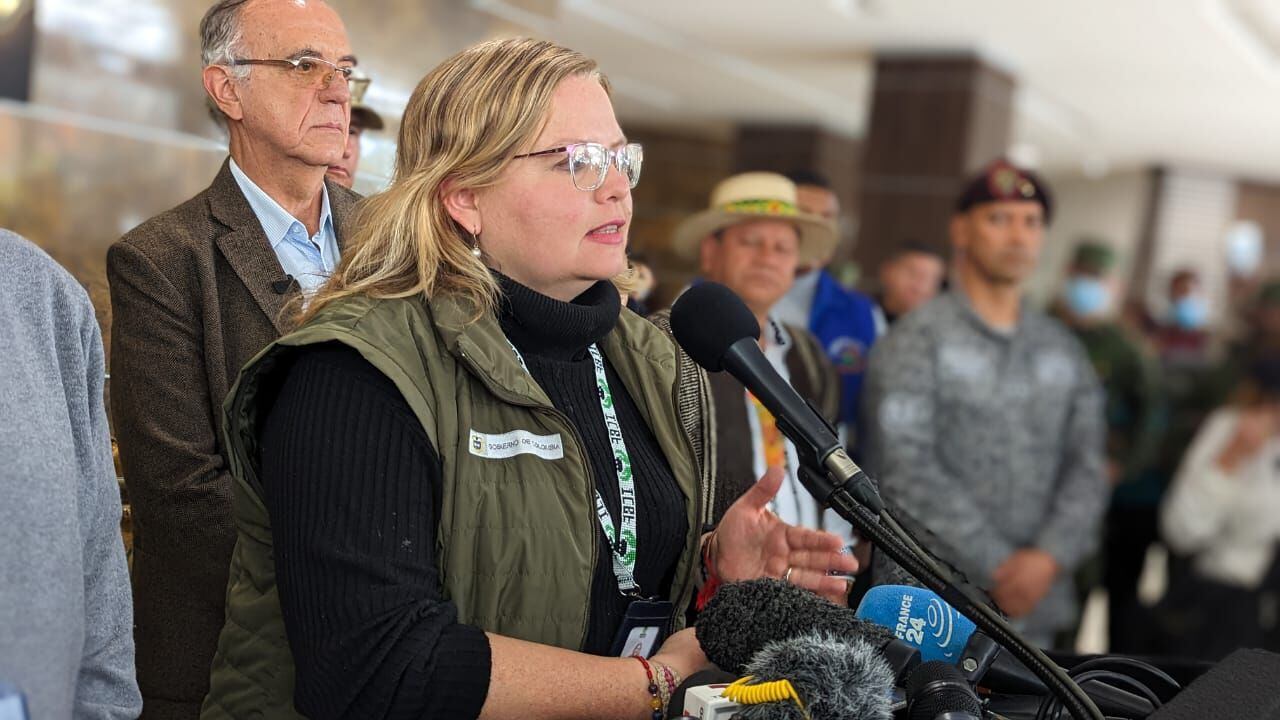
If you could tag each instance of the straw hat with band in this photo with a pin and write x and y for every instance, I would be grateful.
(756, 196)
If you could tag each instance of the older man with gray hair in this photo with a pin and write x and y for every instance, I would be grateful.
(197, 291)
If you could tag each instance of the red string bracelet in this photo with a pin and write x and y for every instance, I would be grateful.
(655, 699)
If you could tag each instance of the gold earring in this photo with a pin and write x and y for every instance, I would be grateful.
(475, 243)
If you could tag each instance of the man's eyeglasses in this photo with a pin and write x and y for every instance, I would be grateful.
(589, 162)
(308, 72)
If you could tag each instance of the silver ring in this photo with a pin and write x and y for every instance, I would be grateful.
(786, 576)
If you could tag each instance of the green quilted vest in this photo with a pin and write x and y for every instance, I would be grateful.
(517, 534)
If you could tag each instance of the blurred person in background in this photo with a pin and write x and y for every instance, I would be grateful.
(199, 290)
(1193, 380)
(1193, 384)
(909, 278)
(428, 470)
(643, 283)
(66, 618)
(984, 418)
(1183, 337)
(1260, 338)
(1130, 378)
(363, 118)
(842, 320)
(1221, 513)
(751, 239)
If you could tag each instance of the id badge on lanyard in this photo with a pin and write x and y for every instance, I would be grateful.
(647, 621)
(643, 629)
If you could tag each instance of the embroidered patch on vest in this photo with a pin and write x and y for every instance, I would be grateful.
(516, 442)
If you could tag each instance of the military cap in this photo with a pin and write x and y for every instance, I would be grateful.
(1001, 181)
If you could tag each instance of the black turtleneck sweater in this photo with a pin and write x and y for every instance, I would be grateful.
(353, 490)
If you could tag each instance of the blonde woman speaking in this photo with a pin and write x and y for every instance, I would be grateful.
(470, 483)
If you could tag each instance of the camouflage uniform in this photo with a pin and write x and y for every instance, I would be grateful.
(993, 440)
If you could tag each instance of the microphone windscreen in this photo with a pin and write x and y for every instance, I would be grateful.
(835, 677)
(707, 319)
(743, 617)
(920, 618)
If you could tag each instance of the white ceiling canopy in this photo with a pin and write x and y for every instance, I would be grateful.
(1102, 84)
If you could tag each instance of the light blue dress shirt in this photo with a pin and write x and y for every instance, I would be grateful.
(310, 260)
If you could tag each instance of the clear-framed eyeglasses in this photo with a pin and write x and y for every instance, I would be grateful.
(589, 162)
(306, 71)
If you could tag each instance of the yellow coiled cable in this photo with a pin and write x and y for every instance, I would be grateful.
(743, 693)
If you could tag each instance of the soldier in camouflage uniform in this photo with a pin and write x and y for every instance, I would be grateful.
(1130, 378)
(985, 418)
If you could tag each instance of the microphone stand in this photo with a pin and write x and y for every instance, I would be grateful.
(829, 475)
(836, 481)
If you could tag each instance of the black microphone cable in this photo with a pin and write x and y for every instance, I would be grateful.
(1172, 687)
(1096, 670)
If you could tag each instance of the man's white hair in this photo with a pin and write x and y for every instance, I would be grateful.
(220, 35)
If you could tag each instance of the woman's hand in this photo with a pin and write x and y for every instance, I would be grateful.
(751, 542)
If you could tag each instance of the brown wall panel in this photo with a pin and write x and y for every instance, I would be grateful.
(934, 120)
(681, 165)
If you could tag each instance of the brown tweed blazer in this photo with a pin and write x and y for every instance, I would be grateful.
(192, 301)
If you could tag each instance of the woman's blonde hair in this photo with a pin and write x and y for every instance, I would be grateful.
(464, 122)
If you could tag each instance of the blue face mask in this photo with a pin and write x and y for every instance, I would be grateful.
(1086, 297)
(1190, 312)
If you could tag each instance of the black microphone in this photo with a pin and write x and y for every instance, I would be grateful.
(717, 330)
(743, 617)
(835, 678)
(938, 691)
(280, 287)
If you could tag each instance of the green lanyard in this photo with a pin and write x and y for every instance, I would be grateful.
(624, 545)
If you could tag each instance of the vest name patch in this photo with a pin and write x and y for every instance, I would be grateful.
(516, 442)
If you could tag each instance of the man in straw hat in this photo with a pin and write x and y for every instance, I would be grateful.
(983, 417)
(751, 239)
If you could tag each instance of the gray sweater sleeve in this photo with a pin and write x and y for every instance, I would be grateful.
(66, 615)
(1070, 530)
(106, 687)
(899, 416)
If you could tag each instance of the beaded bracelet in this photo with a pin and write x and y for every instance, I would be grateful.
(655, 702)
